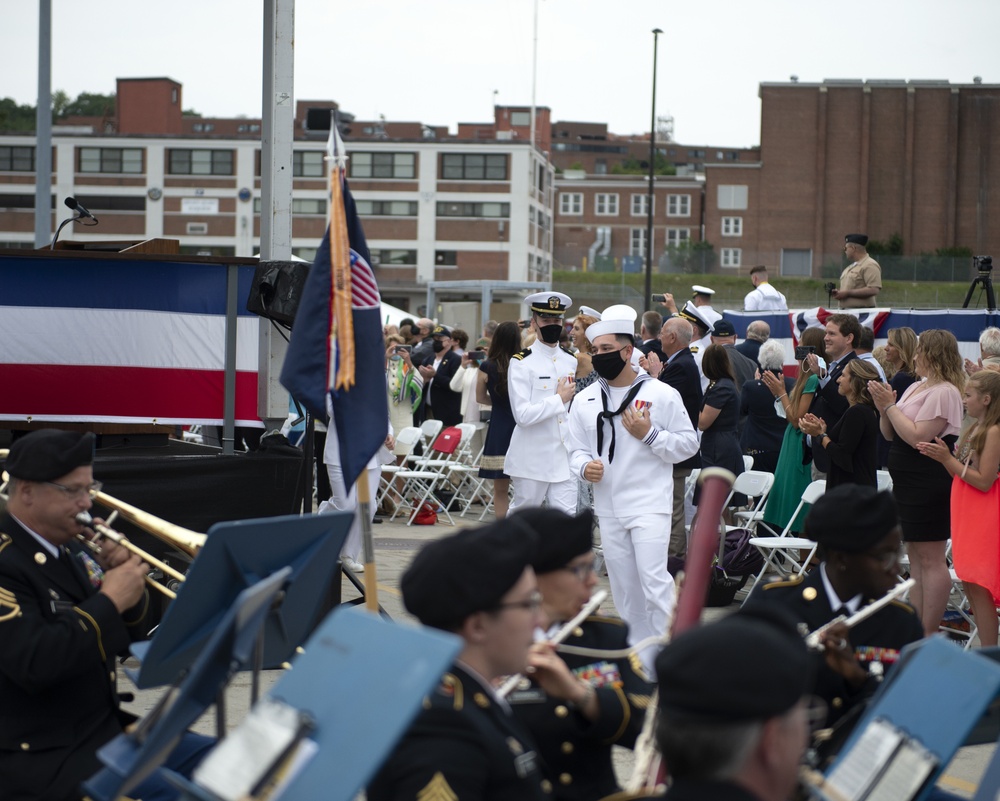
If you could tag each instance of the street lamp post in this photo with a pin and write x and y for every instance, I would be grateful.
(652, 173)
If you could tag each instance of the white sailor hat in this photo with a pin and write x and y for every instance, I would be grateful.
(590, 312)
(550, 304)
(702, 290)
(691, 313)
(617, 319)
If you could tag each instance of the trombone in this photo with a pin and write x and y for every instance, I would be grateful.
(190, 542)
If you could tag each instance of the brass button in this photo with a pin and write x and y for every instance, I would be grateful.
(567, 748)
(565, 778)
(809, 593)
(561, 711)
(837, 703)
(25, 746)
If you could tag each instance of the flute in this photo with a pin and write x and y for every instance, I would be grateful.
(595, 601)
(814, 640)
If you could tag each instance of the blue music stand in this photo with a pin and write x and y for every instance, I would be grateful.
(236, 555)
(353, 656)
(131, 757)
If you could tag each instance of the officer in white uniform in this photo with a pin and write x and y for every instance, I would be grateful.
(702, 299)
(702, 334)
(626, 430)
(764, 297)
(540, 384)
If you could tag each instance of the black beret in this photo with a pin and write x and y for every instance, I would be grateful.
(47, 454)
(723, 328)
(560, 537)
(856, 239)
(851, 518)
(751, 665)
(468, 572)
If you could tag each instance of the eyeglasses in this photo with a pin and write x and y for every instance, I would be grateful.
(532, 603)
(77, 492)
(582, 572)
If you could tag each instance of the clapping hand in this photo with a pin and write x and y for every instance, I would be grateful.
(810, 424)
(773, 383)
(652, 365)
(882, 394)
(937, 450)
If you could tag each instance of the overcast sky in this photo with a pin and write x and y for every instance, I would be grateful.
(439, 61)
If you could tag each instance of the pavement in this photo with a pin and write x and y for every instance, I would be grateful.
(395, 546)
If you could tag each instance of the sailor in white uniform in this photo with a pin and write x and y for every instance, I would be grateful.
(764, 297)
(702, 334)
(625, 431)
(540, 383)
(702, 299)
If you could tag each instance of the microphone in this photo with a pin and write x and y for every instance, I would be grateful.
(79, 208)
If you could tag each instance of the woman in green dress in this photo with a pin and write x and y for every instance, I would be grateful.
(791, 477)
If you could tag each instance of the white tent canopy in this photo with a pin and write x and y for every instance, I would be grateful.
(392, 316)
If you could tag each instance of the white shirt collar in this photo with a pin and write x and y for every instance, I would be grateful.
(48, 546)
(835, 603)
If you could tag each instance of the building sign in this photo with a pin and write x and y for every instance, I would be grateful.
(199, 205)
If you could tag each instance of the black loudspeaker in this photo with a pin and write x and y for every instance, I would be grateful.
(277, 290)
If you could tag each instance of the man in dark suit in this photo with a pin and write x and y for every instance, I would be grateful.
(681, 372)
(64, 617)
(649, 334)
(441, 402)
(466, 744)
(843, 332)
(758, 333)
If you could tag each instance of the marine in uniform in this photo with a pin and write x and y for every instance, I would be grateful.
(540, 385)
(861, 280)
(626, 430)
(732, 708)
(860, 542)
(64, 617)
(577, 706)
(466, 744)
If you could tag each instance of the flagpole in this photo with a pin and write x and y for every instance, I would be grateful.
(367, 542)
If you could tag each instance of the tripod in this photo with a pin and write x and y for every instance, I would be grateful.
(984, 279)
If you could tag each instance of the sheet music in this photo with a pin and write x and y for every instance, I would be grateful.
(857, 772)
(905, 775)
(245, 757)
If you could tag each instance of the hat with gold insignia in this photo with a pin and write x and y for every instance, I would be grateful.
(549, 304)
(697, 289)
(441, 331)
(48, 454)
(690, 313)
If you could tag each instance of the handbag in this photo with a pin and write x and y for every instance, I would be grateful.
(426, 516)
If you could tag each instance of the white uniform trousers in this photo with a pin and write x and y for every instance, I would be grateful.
(530, 492)
(343, 501)
(635, 553)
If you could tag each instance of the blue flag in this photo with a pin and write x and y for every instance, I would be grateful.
(360, 412)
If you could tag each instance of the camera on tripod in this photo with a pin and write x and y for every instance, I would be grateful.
(983, 264)
(829, 286)
(984, 280)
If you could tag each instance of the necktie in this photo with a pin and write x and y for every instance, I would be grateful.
(609, 415)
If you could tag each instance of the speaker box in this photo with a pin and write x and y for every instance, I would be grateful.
(277, 290)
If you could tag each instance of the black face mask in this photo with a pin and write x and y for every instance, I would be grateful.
(550, 333)
(438, 346)
(608, 365)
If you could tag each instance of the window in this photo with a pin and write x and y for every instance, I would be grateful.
(446, 258)
(520, 119)
(678, 236)
(637, 244)
(109, 159)
(733, 197)
(200, 162)
(299, 205)
(383, 165)
(732, 226)
(473, 167)
(731, 257)
(17, 159)
(394, 258)
(571, 203)
(386, 208)
(308, 164)
(447, 209)
(606, 205)
(248, 127)
(203, 127)
(640, 204)
(678, 205)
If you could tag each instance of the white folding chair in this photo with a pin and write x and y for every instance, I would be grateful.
(429, 430)
(756, 485)
(432, 473)
(407, 437)
(747, 462)
(785, 546)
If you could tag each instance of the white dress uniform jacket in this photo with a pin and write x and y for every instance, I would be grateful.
(765, 298)
(538, 447)
(698, 351)
(625, 488)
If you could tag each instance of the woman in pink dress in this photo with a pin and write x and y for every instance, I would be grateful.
(975, 501)
(927, 409)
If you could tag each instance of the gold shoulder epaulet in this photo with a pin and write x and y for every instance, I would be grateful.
(791, 582)
(617, 621)
(451, 687)
(693, 349)
(521, 354)
(5, 540)
(567, 351)
(903, 605)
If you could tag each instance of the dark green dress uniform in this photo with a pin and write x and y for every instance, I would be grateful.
(576, 751)
(58, 701)
(463, 746)
(878, 638)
